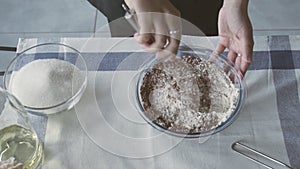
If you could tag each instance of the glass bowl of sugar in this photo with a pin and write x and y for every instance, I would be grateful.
(197, 94)
(47, 78)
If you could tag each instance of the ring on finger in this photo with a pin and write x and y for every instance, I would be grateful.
(172, 32)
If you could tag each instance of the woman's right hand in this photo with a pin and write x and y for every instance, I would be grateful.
(159, 25)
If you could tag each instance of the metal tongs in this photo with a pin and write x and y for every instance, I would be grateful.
(235, 144)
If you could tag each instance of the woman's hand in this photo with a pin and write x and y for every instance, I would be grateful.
(159, 26)
(235, 31)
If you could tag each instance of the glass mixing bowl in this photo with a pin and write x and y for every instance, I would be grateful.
(221, 62)
(30, 80)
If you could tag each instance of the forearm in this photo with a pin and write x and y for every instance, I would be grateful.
(241, 4)
(162, 6)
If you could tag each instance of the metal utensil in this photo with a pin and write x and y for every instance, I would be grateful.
(130, 16)
(8, 49)
(235, 144)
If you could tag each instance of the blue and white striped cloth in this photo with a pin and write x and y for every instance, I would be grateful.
(269, 120)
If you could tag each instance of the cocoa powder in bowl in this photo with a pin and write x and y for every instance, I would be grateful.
(188, 95)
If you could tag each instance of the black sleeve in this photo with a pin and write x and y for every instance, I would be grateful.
(112, 9)
(114, 12)
(201, 14)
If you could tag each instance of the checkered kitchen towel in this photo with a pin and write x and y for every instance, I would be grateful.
(269, 120)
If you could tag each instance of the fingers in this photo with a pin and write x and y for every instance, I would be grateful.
(232, 57)
(159, 33)
(158, 44)
(246, 58)
(247, 44)
(239, 62)
(169, 51)
(144, 36)
(240, 56)
(175, 31)
(242, 63)
(220, 49)
(145, 39)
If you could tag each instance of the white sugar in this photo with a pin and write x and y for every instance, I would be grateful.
(45, 82)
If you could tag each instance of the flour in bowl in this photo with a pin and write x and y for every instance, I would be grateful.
(188, 95)
(45, 82)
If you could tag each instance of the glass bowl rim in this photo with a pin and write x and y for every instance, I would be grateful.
(222, 126)
(67, 101)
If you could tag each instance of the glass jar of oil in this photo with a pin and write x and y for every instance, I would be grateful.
(20, 146)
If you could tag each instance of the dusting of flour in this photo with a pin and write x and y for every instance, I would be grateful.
(45, 82)
(188, 95)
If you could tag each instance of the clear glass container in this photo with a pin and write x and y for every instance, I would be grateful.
(47, 52)
(19, 143)
(206, 54)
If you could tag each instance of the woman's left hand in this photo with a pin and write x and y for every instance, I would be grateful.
(235, 31)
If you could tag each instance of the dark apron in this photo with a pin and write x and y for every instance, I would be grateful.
(199, 16)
